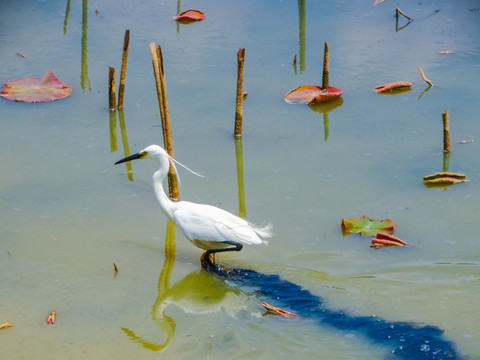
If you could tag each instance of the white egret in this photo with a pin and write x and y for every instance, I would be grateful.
(207, 227)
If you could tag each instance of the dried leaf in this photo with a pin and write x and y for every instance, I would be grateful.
(424, 77)
(443, 179)
(278, 311)
(189, 16)
(5, 326)
(22, 55)
(384, 240)
(115, 269)
(310, 94)
(446, 52)
(398, 85)
(47, 88)
(444, 174)
(51, 318)
(366, 226)
(400, 12)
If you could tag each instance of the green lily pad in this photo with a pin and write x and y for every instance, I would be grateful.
(366, 226)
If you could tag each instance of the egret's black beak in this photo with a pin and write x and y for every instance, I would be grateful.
(131, 157)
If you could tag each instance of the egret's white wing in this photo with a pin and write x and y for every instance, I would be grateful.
(205, 222)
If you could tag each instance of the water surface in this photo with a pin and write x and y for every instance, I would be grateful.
(68, 213)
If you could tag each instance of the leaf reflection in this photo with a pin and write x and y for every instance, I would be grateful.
(325, 109)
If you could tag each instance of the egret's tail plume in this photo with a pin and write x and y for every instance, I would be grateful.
(264, 232)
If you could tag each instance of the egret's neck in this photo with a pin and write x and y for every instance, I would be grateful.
(165, 203)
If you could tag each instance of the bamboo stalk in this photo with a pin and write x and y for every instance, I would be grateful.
(325, 76)
(446, 132)
(172, 177)
(111, 88)
(239, 101)
(123, 71)
(163, 105)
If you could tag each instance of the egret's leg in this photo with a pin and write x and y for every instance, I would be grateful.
(236, 247)
(209, 255)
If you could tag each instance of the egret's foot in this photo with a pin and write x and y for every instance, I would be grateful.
(207, 258)
(208, 263)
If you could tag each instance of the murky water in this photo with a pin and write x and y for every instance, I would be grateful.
(67, 214)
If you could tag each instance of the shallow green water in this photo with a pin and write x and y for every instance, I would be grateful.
(67, 213)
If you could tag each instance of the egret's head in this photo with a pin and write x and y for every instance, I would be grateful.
(150, 152)
(155, 152)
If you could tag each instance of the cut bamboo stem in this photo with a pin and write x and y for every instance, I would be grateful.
(446, 132)
(424, 77)
(164, 111)
(123, 71)
(325, 76)
(167, 136)
(163, 105)
(239, 101)
(111, 89)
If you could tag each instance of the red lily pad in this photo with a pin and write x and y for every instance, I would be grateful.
(48, 88)
(367, 227)
(310, 94)
(189, 15)
(386, 240)
(398, 86)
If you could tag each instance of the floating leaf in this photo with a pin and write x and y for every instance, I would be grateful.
(48, 88)
(398, 85)
(51, 318)
(5, 325)
(189, 16)
(310, 94)
(366, 226)
(445, 52)
(445, 174)
(115, 269)
(443, 179)
(278, 311)
(385, 240)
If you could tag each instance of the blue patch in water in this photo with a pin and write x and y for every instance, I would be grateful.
(406, 340)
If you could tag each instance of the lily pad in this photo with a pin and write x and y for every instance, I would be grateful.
(48, 88)
(393, 88)
(387, 240)
(443, 179)
(367, 227)
(189, 16)
(311, 94)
